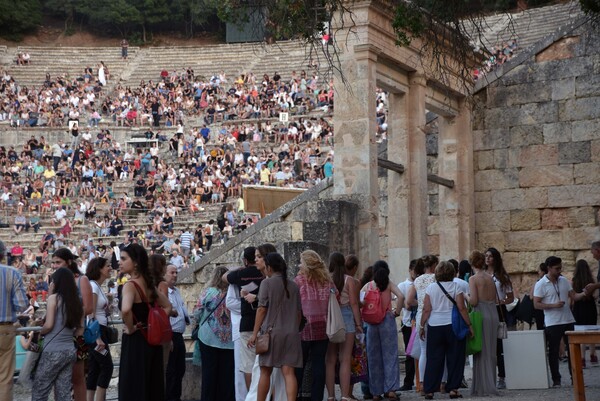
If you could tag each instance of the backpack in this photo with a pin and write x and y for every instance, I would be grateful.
(372, 311)
(158, 331)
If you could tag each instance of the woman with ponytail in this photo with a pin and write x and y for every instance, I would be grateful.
(141, 372)
(63, 257)
(279, 310)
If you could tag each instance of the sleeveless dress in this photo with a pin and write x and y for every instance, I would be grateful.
(141, 375)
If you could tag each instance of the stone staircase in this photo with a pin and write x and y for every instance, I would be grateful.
(66, 60)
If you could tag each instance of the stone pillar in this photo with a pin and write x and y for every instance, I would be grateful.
(407, 192)
(456, 224)
(355, 161)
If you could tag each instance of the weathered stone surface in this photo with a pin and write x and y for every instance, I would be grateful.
(491, 239)
(559, 69)
(578, 238)
(492, 221)
(587, 85)
(526, 219)
(534, 240)
(297, 231)
(574, 152)
(292, 251)
(483, 201)
(573, 195)
(560, 50)
(520, 94)
(431, 144)
(521, 198)
(520, 74)
(587, 108)
(484, 159)
(496, 179)
(586, 173)
(433, 244)
(582, 216)
(563, 89)
(521, 135)
(544, 176)
(501, 158)
(595, 150)
(585, 130)
(539, 155)
(434, 205)
(528, 262)
(553, 219)
(433, 225)
(537, 113)
(490, 139)
(557, 132)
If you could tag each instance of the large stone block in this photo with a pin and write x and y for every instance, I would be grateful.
(292, 251)
(582, 216)
(492, 221)
(496, 179)
(579, 109)
(490, 240)
(554, 219)
(433, 244)
(563, 89)
(492, 138)
(585, 130)
(525, 135)
(573, 195)
(580, 238)
(537, 113)
(558, 69)
(586, 173)
(544, 176)
(483, 201)
(595, 150)
(501, 158)
(525, 220)
(518, 75)
(484, 159)
(534, 240)
(574, 152)
(433, 225)
(557, 132)
(520, 198)
(539, 155)
(587, 85)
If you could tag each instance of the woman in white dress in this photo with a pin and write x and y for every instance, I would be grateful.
(101, 74)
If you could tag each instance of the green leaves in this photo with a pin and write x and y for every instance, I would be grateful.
(18, 17)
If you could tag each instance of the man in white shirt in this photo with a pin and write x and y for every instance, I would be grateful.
(551, 294)
(177, 260)
(179, 320)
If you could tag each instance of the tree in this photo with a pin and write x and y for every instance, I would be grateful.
(18, 17)
(117, 14)
(194, 13)
(151, 12)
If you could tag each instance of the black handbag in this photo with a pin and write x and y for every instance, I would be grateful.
(112, 335)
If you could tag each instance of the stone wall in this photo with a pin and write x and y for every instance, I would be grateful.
(537, 156)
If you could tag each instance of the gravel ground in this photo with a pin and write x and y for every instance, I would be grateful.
(591, 380)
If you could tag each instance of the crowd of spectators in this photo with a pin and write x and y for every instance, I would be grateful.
(498, 55)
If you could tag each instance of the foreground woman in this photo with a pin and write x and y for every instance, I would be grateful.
(141, 373)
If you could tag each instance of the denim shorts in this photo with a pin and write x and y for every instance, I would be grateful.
(348, 318)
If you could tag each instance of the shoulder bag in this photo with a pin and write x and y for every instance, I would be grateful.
(263, 340)
(475, 343)
(158, 330)
(502, 329)
(459, 326)
(335, 328)
(196, 328)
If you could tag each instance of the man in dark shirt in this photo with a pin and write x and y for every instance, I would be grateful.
(248, 279)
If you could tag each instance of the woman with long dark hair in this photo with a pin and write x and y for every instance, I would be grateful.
(100, 366)
(382, 338)
(279, 311)
(348, 288)
(64, 319)
(504, 296)
(63, 257)
(141, 372)
(584, 311)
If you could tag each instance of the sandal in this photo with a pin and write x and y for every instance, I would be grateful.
(391, 395)
(429, 396)
(455, 394)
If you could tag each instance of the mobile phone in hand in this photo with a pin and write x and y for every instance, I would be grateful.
(101, 351)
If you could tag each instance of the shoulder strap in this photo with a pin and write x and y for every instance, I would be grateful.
(213, 311)
(446, 292)
(140, 291)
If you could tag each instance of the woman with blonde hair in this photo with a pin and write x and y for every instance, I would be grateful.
(315, 285)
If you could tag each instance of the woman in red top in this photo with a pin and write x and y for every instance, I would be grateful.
(315, 285)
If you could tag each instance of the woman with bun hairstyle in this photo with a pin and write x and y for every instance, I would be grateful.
(63, 257)
(382, 338)
(64, 319)
(141, 372)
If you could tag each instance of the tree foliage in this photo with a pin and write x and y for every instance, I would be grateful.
(19, 17)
